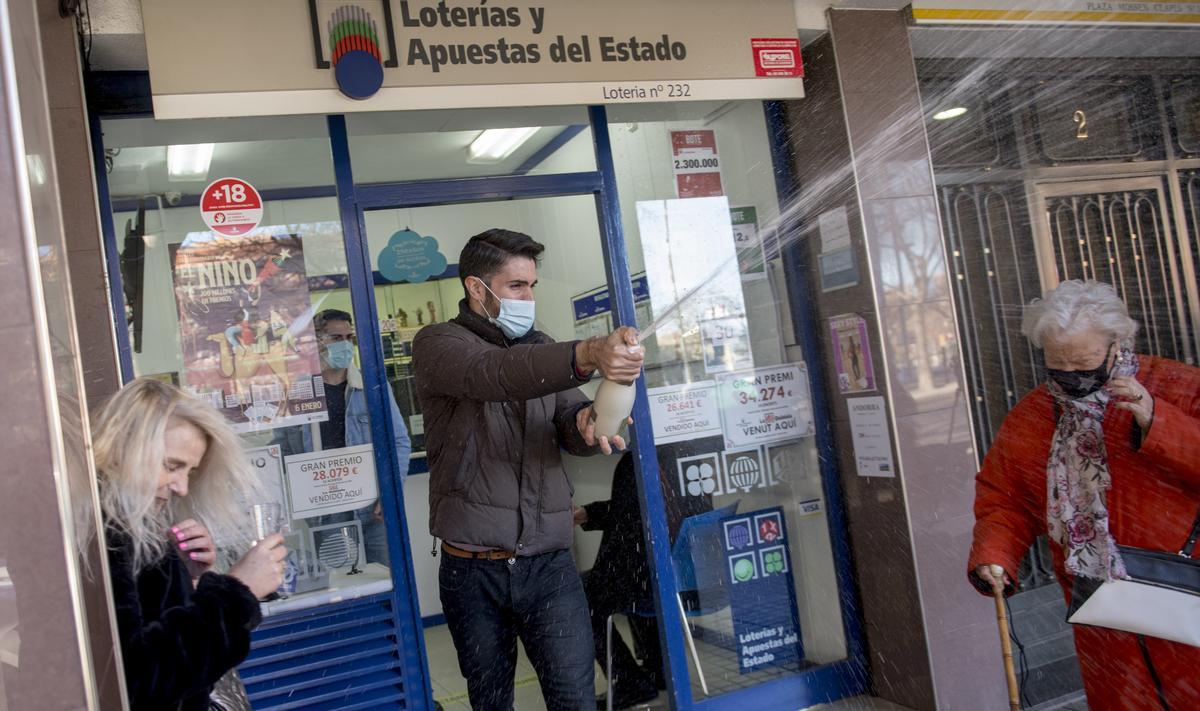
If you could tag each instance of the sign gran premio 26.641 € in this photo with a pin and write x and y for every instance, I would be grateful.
(270, 57)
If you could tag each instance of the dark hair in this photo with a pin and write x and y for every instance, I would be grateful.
(324, 317)
(487, 252)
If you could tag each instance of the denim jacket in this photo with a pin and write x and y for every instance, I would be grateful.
(358, 421)
(294, 440)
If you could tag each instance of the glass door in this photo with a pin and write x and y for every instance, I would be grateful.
(422, 189)
(748, 549)
(422, 288)
(752, 512)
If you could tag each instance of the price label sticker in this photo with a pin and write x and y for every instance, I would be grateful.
(765, 405)
(687, 165)
(696, 164)
(231, 206)
(331, 481)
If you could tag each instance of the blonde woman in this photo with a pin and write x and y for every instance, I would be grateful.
(172, 479)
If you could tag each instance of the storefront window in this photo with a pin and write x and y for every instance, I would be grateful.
(247, 316)
(729, 393)
(750, 540)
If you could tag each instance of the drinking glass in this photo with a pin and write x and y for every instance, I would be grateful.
(267, 519)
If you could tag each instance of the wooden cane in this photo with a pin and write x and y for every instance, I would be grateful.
(1014, 694)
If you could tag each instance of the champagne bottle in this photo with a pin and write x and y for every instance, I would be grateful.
(613, 403)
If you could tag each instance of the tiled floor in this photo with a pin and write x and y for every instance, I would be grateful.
(720, 669)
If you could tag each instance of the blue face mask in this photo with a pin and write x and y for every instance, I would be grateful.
(339, 355)
(515, 318)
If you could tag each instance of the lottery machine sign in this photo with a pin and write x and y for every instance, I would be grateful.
(231, 206)
(331, 481)
(765, 405)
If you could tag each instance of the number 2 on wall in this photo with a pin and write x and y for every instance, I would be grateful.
(1081, 133)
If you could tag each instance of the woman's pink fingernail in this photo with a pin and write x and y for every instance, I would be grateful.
(183, 545)
(193, 556)
(175, 529)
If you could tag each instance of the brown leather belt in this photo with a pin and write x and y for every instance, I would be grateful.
(477, 555)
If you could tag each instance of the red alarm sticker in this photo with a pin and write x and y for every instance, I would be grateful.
(231, 206)
(777, 57)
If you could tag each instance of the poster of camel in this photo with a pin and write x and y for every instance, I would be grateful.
(245, 326)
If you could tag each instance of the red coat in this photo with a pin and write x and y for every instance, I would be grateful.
(1153, 501)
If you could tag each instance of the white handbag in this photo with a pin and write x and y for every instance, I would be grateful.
(1161, 598)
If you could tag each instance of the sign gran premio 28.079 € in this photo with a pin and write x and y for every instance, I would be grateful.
(271, 57)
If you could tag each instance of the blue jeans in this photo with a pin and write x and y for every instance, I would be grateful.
(489, 604)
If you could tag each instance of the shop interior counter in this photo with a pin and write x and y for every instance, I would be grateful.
(374, 579)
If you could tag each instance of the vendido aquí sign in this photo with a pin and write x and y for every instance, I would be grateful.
(234, 58)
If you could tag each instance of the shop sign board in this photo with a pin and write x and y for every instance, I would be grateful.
(593, 312)
(684, 412)
(1056, 12)
(331, 481)
(765, 405)
(274, 57)
(762, 594)
(245, 328)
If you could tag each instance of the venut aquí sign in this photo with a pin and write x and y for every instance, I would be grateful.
(237, 58)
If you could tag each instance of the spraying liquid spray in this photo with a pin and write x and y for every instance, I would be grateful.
(614, 400)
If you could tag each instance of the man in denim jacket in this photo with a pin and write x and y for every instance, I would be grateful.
(349, 422)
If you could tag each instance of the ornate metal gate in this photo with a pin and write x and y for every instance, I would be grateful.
(1123, 236)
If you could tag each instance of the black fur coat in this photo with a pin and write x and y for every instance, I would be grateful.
(177, 640)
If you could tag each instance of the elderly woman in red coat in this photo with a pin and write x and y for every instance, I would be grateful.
(1106, 452)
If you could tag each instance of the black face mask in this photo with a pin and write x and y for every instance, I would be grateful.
(1080, 383)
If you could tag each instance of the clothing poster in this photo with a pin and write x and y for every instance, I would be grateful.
(245, 328)
(852, 354)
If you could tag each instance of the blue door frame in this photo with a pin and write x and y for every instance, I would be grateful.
(818, 685)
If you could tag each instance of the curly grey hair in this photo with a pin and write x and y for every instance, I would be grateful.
(1075, 306)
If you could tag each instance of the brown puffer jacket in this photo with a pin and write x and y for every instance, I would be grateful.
(498, 414)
